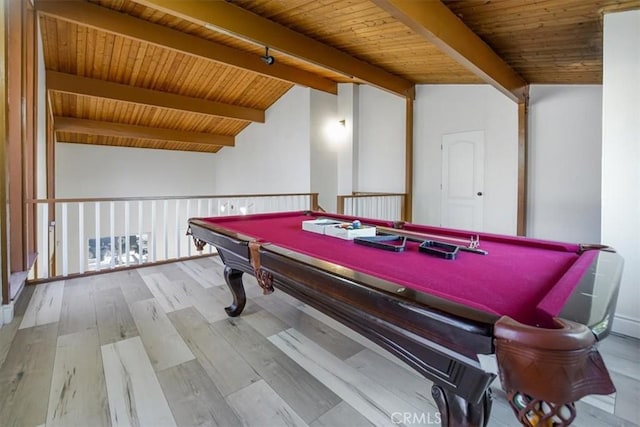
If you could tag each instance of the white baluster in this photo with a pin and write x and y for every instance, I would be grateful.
(65, 248)
(154, 230)
(112, 232)
(178, 228)
(140, 230)
(98, 238)
(127, 242)
(165, 228)
(81, 242)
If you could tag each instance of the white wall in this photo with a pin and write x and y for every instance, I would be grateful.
(100, 171)
(565, 142)
(443, 109)
(381, 141)
(270, 157)
(324, 144)
(348, 110)
(621, 158)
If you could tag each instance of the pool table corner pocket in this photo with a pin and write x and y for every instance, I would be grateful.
(544, 371)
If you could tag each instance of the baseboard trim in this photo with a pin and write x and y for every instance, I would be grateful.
(6, 314)
(626, 325)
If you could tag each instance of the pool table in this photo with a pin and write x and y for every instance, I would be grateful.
(530, 312)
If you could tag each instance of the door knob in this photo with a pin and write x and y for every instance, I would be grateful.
(479, 193)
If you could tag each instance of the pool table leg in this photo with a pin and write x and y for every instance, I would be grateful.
(233, 278)
(456, 411)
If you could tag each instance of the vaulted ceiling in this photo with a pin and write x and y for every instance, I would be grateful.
(190, 75)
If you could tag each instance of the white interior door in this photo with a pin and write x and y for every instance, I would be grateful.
(462, 180)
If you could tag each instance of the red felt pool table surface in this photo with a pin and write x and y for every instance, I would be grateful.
(526, 279)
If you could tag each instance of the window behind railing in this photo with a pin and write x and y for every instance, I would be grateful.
(77, 236)
(387, 206)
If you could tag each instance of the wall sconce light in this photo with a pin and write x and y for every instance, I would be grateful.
(336, 130)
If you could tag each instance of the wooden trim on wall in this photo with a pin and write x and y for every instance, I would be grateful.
(16, 128)
(523, 171)
(408, 163)
(30, 76)
(4, 255)
(50, 150)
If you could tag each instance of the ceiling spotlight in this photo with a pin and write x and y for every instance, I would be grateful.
(267, 59)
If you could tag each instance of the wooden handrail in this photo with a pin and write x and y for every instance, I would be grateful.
(135, 199)
(370, 194)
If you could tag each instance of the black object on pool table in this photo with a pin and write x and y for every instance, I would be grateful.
(388, 243)
(439, 249)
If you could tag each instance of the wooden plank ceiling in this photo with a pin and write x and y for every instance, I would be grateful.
(188, 75)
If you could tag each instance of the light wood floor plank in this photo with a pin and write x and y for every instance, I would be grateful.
(78, 393)
(589, 416)
(259, 405)
(210, 302)
(164, 345)
(375, 402)
(25, 376)
(114, 318)
(622, 356)
(205, 276)
(342, 415)
(170, 295)
(606, 403)
(135, 395)
(180, 290)
(627, 402)
(44, 306)
(219, 359)
(175, 274)
(78, 312)
(103, 282)
(265, 323)
(322, 334)
(308, 397)
(209, 260)
(8, 332)
(348, 332)
(133, 287)
(410, 388)
(24, 298)
(193, 397)
(253, 290)
(176, 294)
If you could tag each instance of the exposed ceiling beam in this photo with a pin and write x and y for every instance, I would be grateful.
(95, 127)
(244, 24)
(104, 19)
(436, 23)
(69, 83)
(153, 145)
